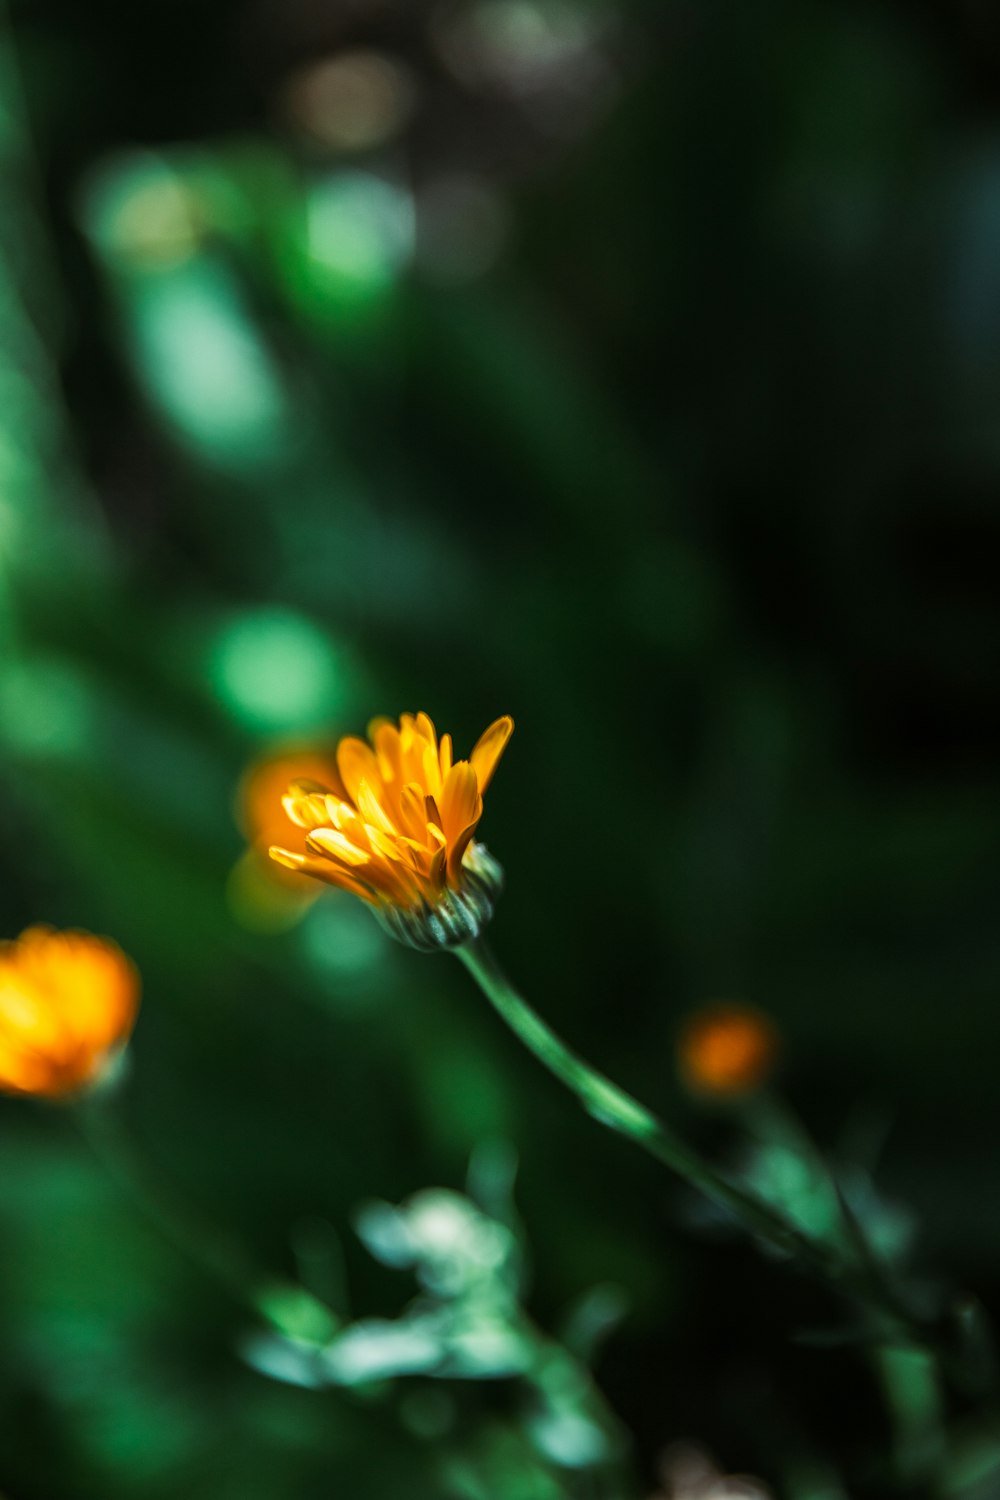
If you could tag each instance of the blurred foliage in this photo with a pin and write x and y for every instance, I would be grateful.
(628, 368)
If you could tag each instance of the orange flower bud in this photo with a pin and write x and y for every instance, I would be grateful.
(727, 1050)
(67, 1004)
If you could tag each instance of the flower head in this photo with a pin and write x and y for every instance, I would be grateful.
(395, 826)
(727, 1050)
(67, 1004)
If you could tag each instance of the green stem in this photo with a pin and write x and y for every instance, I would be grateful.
(616, 1109)
(909, 1380)
(842, 1266)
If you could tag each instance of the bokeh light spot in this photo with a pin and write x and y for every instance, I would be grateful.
(275, 670)
(141, 213)
(341, 938)
(46, 708)
(354, 101)
(360, 232)
(207, 368)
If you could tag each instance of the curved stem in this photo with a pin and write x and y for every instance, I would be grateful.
(615, 1108)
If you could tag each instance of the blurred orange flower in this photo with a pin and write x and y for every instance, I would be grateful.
(260, 810)
(727, 1049)
(67, 1004)
(394, 824)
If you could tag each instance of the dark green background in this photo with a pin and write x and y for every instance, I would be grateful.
(695, 475)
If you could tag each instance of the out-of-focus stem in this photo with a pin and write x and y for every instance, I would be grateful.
(287, 1307)
(909, 1381)
(843, 1266)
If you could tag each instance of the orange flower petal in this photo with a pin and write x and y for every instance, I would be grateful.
(372, 811)
(456, 853)
(357, 762)
(306, 809)
(460, 802)
(321, 868)
(329, 841)
(389, 752)
(413, 811)
(418, 856)
(489, 748)
(414, 742)
(425, 728)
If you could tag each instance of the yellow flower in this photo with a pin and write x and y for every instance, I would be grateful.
(67, 1004)
(395, 826)
(727, 1050)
